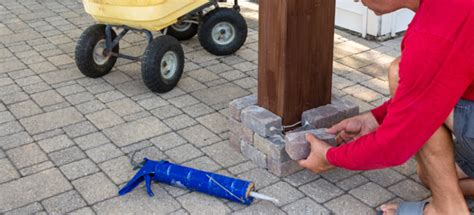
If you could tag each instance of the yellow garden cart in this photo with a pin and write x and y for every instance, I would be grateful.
(221, 31)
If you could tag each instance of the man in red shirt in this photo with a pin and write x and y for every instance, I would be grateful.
(436, 75)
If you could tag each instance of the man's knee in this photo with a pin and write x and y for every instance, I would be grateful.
(438, 146)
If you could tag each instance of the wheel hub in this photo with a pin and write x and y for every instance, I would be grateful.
(181, 26)
(100, 56)
(169, 65)
(223, 33)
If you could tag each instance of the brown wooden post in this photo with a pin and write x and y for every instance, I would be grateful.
(295, 56)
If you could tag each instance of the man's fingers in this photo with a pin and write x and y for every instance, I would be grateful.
(345, 137)
(312, 140)
(337, 127)
(303, 163)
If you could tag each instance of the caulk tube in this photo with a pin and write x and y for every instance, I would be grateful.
(210, 183)
(233, 189)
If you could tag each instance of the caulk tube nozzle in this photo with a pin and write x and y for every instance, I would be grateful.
(263, 197)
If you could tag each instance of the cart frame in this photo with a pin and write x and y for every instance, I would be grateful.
(111, 43)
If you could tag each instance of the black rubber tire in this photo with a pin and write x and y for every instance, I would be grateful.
(183, 34)
(215, 17)
(151, 64)
(85, 51)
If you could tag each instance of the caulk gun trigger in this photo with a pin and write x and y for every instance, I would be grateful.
(148, 185)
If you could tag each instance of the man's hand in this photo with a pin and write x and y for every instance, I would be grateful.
(354, 127)
(316, 161)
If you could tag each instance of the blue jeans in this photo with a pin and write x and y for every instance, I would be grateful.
(464, 133)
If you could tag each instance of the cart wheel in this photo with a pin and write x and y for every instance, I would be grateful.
(163, 64)
(182, 31)
(90, 58)
(223, 31)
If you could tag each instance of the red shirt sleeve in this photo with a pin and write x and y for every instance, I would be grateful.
(380, 112)
(434, 73)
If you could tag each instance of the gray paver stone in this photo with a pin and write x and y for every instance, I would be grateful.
(321, 190)
(105, 119)
(261, 177)
(79, 129)
(221, 94)
(104, 152)
(7, 171)
(179, 122)
(168, 141)
(337, 174)
(273, 147)
(237, 105)
(95, 188)
(34, 208)
(384, 177)
(282, 168)
(350, 109)
(79, 169)
(289, 195)
(83, 211)
(203, 163)
(261, 121)
(305, 206)
(64, 203)
(166, 111)
(372, 194)
(323, 117)
(47, 98)
(241, 131)
(410, 190)
(55, 143)
(223, 154)
(90, 107)
(347, 204)
(183, 153)
(216, 122)
(26, 155)
(36, 168)
(138, 202)
(298, 148)
(199, 135)
(135, 131)
(32, 188)
(6, 116)
(124, 107)
(51, 120)
(10, 128)
(91, 140)
(67, 155)
(252, 153)
(198, 203)
(263, 207)
(15, 140)
(352, 182)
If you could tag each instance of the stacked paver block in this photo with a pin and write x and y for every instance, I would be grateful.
(258, 133)
(298, 148)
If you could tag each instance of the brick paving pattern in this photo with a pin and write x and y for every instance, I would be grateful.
(66, 140)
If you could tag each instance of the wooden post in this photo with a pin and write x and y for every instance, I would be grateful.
(295, 56)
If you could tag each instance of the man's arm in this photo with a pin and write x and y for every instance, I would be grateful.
(380, 112)
(433, 76)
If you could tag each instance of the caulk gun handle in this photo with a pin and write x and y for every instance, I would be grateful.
(148, 185)
(144, 174)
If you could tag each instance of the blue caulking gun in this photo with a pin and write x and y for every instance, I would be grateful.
(210, 183)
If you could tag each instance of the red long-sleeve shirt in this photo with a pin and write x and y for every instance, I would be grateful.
(436, 70)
